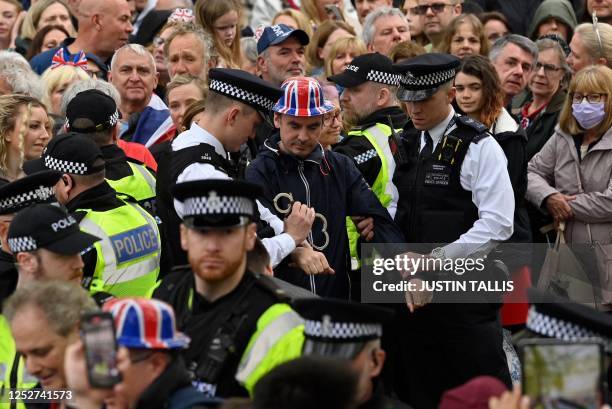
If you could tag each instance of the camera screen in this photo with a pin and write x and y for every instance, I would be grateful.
(563, 375)
(100, 348)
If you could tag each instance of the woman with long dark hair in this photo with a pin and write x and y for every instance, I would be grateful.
(480, 96)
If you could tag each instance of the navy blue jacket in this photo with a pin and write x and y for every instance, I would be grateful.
(331, 184)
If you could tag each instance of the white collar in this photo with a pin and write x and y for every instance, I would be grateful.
(206, 137)
(437, 132)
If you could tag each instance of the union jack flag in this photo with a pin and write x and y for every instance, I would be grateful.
(302, 96)
(182, 15)
(61, 58)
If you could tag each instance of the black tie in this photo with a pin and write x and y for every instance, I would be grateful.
(428, 148)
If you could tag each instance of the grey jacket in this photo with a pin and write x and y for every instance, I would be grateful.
(556, 168)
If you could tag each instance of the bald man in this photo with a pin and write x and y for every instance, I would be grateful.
(104, 26)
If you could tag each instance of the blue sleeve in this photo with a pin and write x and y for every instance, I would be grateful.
(363, 202)
(42, 61)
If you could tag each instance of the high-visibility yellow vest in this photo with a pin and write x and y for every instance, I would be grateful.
(140, 186)
(383, 187)
(128, 255)
(279, 338)
(12, 368)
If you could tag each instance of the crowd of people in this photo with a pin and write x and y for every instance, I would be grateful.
(216, 178)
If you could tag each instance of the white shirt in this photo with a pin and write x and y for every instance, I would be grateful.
(484, 173)
(279, 246)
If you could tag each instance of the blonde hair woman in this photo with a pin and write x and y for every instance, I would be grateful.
(342, 53)
(464, 36)
(221, 19)
(56, 81)
(570, 176)
(24, 133)
(320, 43)
(45, 13)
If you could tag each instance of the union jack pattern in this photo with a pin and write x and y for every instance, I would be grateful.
(145, 323)
(302, 97)
(60, 59)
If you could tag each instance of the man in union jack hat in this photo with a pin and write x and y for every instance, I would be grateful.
(157, 376)
(293, 166)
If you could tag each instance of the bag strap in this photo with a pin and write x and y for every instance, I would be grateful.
(581, 190)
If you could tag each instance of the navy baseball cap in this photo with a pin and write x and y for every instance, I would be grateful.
(276, 34)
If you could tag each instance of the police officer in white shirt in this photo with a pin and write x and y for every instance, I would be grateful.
(235, 105)
(454, 189)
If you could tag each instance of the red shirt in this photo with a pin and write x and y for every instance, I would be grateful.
(138, 152)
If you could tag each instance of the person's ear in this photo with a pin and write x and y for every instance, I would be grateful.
(383, 97)
(232, 114)
(602, 61)
(184, 238)
(451, 94)
(370, 48)
(458, 8)
(251, 235)
(109, 75)
(158, 363)
(261, 64)
(378, 361)
(28, 264)
(115, 133)
(277, 120)
(95, 19)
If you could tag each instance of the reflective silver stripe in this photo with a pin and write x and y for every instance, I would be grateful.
(146, 175)
(266, 340)
(382, 143)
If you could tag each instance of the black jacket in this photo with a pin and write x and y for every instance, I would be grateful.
(8, 276)
(543, 126)
(331, 184)
(235, 313)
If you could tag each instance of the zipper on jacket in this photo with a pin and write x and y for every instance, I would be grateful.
(313, 286)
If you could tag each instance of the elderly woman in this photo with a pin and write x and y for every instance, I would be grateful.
(571, 175)
(548, 83)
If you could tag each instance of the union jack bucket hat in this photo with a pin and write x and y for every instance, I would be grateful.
(145, 323)
(302, 96)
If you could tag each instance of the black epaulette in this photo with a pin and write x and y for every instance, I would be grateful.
(267, 284)
(480, 129)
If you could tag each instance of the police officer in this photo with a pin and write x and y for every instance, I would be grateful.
(235, 104)
(352, 332)
(94, 113)
(370, 104)
(47, 243)
(229, 313)
(125, 262)
(453, 189)
(15, 196)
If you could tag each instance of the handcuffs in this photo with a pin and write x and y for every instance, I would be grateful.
(287, 210)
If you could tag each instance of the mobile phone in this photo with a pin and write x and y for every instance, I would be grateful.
(334, 12)
(558, 374)
(98, 335)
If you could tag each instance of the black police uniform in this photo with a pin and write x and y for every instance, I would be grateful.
(440, 345)
(219, 330)
(15, 196)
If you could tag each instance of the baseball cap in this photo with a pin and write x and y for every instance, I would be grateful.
(49, 227)
(276, 34)
(91, 111)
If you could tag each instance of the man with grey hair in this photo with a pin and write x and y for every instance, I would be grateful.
(104, 26)
(384, 28)
(188, 51)
(281, 53)
(435, 16)
(44, 319)
(514, 57)
(145, 117)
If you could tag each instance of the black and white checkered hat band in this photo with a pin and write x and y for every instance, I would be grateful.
(219, 205)
(348, 331)
(25, 243)
(429, 80)
(258, 101)
(383, 77)
(555, 328)
(42, 193)
(66, 166)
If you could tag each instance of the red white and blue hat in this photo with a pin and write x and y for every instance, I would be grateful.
(302, 96)
(145, 323)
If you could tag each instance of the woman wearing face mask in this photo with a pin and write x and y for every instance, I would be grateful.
(571, 176)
